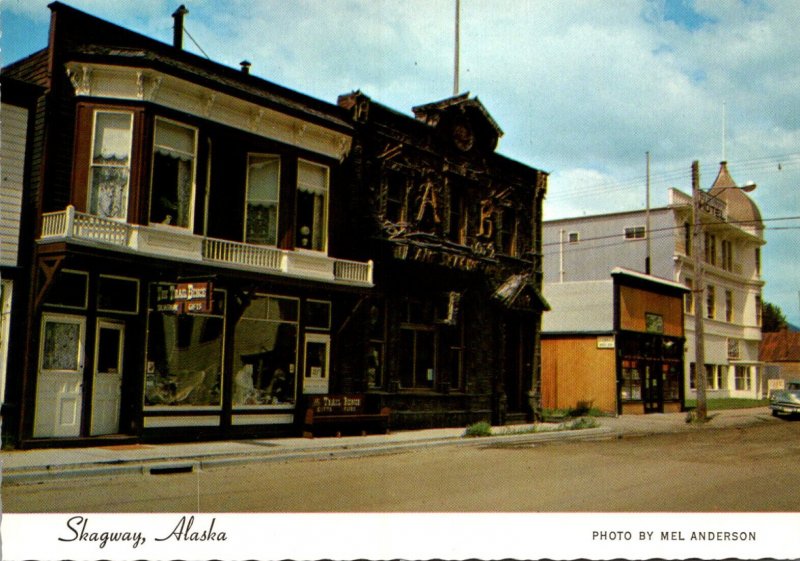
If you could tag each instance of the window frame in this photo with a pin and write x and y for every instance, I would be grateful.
(193, 195)
(276, 157)
(95, 112)
(631, 233)
(325, 210)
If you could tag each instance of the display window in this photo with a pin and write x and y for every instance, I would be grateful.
(117, 294)
(184, 355)
(265, 352)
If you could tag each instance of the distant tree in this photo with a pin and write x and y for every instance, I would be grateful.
(772, 318)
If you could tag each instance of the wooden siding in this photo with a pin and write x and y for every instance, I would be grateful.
(574, 370)
(12, 161)
(634, 303)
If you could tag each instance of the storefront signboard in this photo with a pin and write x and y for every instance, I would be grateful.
(185, 298)
(605, 342)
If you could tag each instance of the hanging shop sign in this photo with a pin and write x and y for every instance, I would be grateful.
(186, 298)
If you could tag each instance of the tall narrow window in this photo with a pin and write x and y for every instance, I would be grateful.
(395, 197)
(311, 219)
(687, 239)
(711, 248)
(174, 155)
(758, 260)
(111, 164)
(263, 187)
(727, 255)
(710, 302)
(729, 306)
(688, 301)
(508, 232)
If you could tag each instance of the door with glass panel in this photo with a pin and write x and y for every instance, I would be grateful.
(653, 391)
(59, 386)
(107, 387)
(317, 359)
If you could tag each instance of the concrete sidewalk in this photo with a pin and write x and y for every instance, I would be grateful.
(29, 466)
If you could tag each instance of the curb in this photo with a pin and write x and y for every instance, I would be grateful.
(31, 475)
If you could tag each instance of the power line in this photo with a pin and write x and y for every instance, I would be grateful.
(775, 163)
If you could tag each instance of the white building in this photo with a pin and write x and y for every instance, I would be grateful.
(589, 247)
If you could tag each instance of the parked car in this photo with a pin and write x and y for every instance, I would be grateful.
(786, 401)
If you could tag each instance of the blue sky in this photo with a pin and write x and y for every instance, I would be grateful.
(582, 89)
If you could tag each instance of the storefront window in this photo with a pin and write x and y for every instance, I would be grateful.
(184, 355)
(265, 352)
(671, 382)
(631, 382)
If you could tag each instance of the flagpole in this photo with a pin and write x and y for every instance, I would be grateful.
(457, 47)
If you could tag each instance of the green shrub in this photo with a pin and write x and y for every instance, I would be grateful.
(481, 428)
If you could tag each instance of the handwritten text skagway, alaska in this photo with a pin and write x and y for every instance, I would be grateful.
(183, 531)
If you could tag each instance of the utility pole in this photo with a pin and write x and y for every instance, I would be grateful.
(647, 218)
(701, 411)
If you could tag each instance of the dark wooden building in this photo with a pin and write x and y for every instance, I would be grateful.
(191, 274)
(454, 229)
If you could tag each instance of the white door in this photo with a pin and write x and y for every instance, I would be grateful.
(107, 387)
(59, 386)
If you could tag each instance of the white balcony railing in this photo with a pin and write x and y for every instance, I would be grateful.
(176, 244)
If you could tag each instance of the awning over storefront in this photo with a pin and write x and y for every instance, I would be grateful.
(518, 292)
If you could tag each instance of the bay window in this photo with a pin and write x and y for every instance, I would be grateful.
(263, 187)
(311, 215)
(173, 179)
(109, 178)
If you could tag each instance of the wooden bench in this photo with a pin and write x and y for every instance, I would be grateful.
(343, 412)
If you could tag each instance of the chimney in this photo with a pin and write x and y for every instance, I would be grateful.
(177, 30)
(245, 64)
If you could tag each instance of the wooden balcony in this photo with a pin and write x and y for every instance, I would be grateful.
(171, 243)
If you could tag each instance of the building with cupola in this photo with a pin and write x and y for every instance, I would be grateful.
(588, 248)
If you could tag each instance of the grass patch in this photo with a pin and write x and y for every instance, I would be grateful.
(728, 403)
(481, 428)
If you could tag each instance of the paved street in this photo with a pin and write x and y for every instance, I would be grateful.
(746, 468)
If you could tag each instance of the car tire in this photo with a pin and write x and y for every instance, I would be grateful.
(774, 413)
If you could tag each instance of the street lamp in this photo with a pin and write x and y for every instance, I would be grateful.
(701, 411)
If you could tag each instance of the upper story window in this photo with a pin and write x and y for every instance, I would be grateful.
(109, 178)
(711, 302)
(173, 180)
(729, 306)
(758, 260)
(711, 248)
(508, 231)
(727, 255)
(573, 237)
(311, 215)
(687, 239)
(458, 215)
(263, 187)
(395, 197)
(635, 233)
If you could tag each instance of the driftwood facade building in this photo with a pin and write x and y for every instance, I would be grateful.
(454, 229)
(211, 249)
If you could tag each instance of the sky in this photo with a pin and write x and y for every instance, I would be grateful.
(582, 89)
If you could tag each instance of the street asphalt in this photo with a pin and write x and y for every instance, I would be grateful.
(30, 466)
